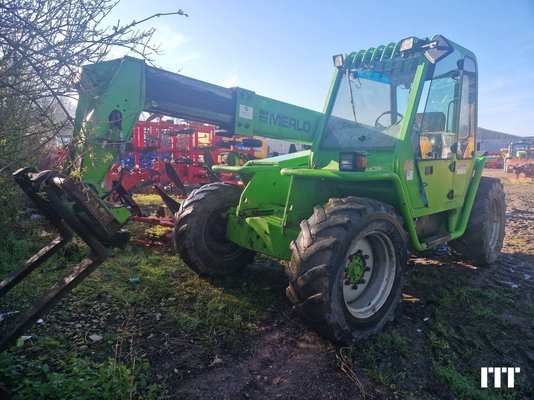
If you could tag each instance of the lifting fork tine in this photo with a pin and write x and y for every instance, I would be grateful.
(58, 291)
(33, 262)
(43, 189)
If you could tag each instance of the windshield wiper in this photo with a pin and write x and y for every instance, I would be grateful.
(351, 96)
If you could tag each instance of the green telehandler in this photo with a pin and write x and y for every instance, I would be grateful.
(391, 166)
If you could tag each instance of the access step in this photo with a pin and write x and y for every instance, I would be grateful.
(435, 240)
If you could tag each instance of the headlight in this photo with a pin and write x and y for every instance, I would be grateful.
(407, 44)
(352, 161)
(339, 59)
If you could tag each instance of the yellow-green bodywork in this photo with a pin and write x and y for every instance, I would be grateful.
(282, 191)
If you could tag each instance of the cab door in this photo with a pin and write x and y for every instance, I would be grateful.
(434, 135)
(465, 151)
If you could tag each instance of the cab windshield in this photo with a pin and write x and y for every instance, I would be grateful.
(520, 146)
(370, 105)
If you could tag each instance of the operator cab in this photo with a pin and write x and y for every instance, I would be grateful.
(520, 150)
(418, 91)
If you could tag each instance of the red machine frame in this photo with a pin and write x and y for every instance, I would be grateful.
(181, 144)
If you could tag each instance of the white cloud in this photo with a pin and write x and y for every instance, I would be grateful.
(167, 38)
(187, 57)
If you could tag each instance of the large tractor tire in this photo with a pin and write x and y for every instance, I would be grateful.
(482, 241)
(347, 268)
(200, 231)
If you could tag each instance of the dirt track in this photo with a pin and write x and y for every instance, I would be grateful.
(285, 359)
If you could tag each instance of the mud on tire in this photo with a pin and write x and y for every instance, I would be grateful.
(482, 241)
(200, 227)
(343, 302)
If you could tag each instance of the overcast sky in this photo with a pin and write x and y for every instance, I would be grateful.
(282, 48)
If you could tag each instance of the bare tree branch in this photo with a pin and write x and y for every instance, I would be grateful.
(42, 45)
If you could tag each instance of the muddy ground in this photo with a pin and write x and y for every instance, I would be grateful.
(286, 359)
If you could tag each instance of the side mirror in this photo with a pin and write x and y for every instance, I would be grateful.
(434, 49)
(438, 49)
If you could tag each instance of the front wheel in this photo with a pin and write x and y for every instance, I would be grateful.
(200, 231)
(347, 267)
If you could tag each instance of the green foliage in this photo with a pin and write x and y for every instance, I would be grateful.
(14, 250)
(75, 378)
(12, 204)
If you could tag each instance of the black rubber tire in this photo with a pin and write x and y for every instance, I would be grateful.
(482, 241)
(199, 231)
(252, 143)
(317, 267)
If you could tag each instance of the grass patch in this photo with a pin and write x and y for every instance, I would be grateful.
(460, 385)
(138, 293)
(215, 315)
(383, 358)
(194, 307)
(144, 200)
(515, 241)
(14, 250)
(73, 377)
(157, 232)
(145, 304)
(442, 339)
(466, 333)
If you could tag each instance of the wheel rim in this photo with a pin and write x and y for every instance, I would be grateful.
(215, 229)
(495, 223)
(214, 234)
(370, 268)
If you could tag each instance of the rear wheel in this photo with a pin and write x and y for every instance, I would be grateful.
(347, 268)
(482, 241)
(200, 231)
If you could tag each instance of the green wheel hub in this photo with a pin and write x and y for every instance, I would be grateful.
(355, 268)
(369, 276)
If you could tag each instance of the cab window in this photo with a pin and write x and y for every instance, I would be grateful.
(467, 120)
(434, 130)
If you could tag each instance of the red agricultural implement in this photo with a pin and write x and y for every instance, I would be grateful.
(188, 148)
(495, 161)
(165, 156)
